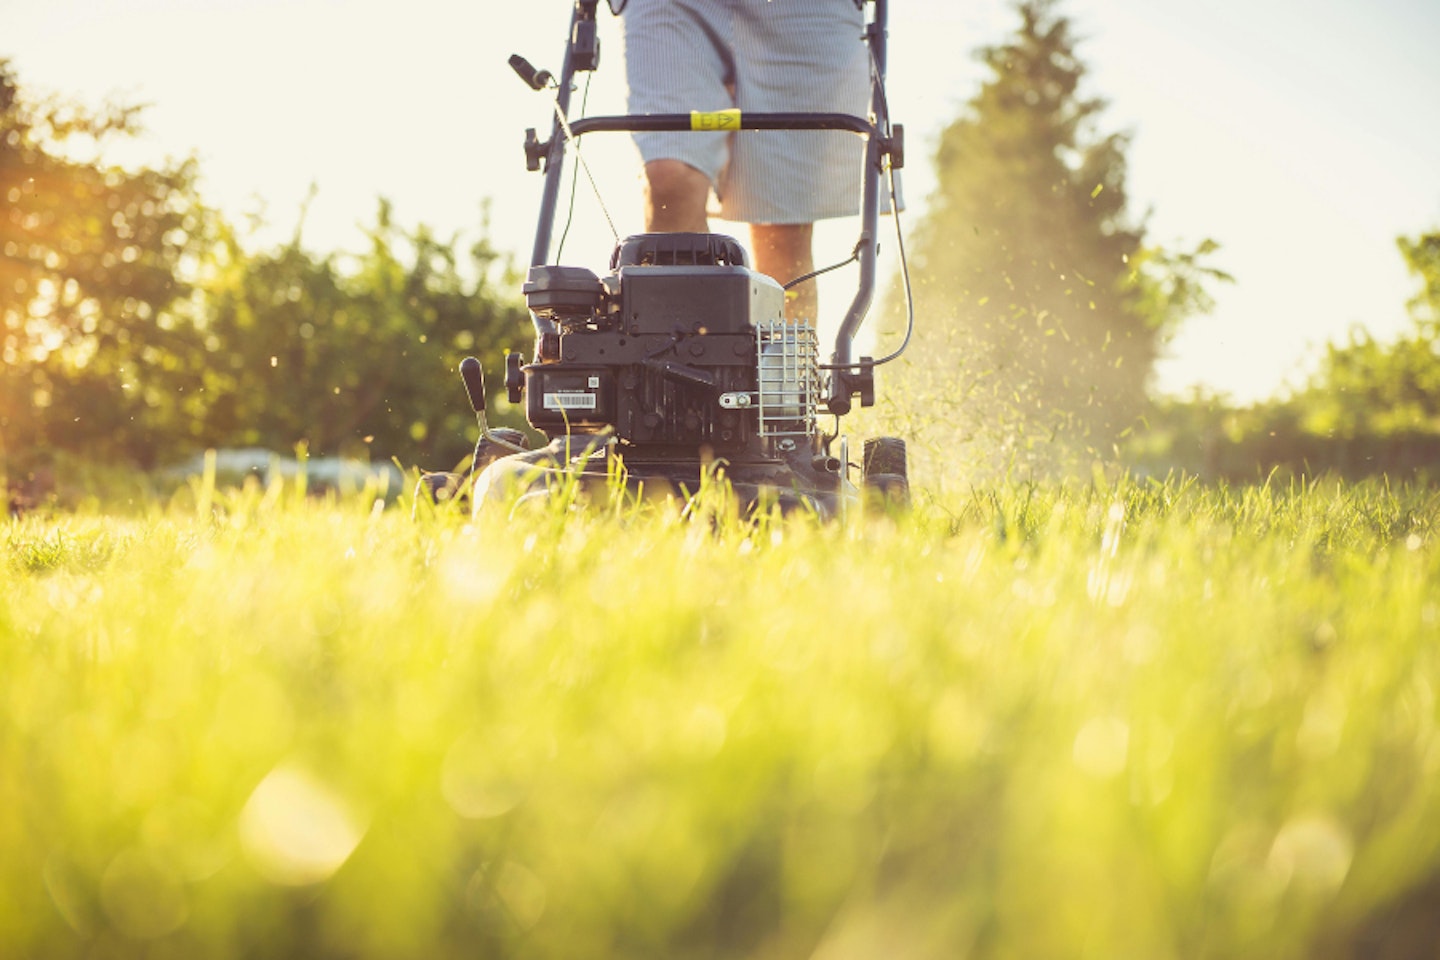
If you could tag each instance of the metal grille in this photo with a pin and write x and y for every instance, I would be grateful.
(789, 378)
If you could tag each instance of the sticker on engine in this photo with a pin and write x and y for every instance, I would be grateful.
(715, 119)
(570, 400)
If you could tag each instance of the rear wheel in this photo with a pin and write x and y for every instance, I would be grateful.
(887, 491)
(885, 456)
(487, 452)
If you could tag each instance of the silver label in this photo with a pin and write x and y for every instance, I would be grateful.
(569, 400)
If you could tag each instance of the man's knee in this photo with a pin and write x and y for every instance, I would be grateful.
(782, 251)
(676, 194)
(783, 248)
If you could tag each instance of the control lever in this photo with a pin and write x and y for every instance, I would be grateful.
(537, 79)
(474, 377)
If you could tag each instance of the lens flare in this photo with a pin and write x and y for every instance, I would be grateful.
(295, 830)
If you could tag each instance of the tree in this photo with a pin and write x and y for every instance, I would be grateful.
(1042, 310)
(89, 262)
(1371, 407)
(138, 327)
(1368, 387)
(1422, 256)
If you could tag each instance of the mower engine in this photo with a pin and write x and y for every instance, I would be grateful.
(681, 355)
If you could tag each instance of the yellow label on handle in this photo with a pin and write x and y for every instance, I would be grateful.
(715, 119)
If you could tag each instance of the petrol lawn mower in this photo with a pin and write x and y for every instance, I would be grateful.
(680, 366)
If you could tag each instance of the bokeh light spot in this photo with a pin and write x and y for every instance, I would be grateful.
(1102, 746)
(522, 892)
(142, 898)
(474, 780)
(295, 830)
(1312, 852)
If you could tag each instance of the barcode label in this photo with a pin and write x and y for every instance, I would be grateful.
(570, 400)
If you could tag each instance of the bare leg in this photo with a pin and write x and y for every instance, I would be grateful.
(675, 196)
(783, 251)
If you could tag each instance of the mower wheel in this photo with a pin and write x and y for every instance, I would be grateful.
(885, 456)
(487, 452)
(888, 491)
(438, 488)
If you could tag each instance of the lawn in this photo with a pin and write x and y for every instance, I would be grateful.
(1132, 719)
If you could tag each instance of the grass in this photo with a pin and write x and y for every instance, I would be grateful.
(1133, 720)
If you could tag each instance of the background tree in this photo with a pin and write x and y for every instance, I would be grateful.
(1422, 256)
(1371, 407)
(89, 262)
(137, 326)
(1368, 387)
(1042, 310)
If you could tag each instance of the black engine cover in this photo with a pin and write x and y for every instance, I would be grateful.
(697, 299)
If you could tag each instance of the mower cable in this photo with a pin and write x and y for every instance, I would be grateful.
(904, 277)
(895, 213)
(899, 244)
(580, 157)
(574, 176)
(815, 273)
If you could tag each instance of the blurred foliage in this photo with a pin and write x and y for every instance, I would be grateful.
(90, 263)
(1043, 308)
(1370, 408)
(1365, 387)
(138, 327)
(1114, 720)
(351, 355)
(1422, 257)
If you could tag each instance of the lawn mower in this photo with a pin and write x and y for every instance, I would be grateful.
(679, 367)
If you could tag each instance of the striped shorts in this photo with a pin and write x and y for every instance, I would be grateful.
(758, 55)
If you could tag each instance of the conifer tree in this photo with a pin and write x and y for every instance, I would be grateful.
(1037, 324)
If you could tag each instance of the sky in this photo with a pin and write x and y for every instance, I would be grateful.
(1304, 137)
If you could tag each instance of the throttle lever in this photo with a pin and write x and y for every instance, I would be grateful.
(536, 79)
(474, 378)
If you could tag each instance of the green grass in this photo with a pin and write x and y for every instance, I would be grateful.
(1144, 720)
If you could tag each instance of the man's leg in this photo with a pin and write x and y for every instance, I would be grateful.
(675, 197)
(783, 251)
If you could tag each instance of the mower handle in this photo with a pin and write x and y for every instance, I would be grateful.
(582, 54)
(725, 120)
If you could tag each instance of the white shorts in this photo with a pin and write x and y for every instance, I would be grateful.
(761, 56)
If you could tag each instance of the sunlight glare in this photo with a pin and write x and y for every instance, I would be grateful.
(295, 830)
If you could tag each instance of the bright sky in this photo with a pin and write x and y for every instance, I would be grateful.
(1303, 136)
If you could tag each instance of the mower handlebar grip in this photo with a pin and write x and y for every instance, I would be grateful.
(535, 78)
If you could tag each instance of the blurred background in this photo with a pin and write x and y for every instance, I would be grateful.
(1124, 718)
(1138, 230)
